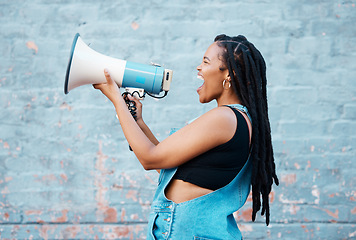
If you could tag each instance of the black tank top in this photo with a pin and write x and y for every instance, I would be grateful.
(218, 167)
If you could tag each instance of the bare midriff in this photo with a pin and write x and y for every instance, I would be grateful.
(179, 191)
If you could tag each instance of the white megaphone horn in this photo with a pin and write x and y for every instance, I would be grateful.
(86, 66)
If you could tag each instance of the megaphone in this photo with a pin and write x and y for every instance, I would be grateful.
(86, 66)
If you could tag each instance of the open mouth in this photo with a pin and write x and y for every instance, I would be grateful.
(199, 88)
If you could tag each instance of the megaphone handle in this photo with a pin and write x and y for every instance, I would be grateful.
(131, 105)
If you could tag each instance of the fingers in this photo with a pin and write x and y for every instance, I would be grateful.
(133, 98)
(108, 80)
(107, 76)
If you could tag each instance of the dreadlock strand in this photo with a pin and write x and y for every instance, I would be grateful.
(260, 132)
(265, 166)
(261, 146)
(234, 69)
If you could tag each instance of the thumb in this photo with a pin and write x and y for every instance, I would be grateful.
(107, 76)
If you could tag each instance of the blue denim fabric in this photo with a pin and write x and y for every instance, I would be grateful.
(207, 217)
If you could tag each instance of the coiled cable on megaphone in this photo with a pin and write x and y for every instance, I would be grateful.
(131, 105)
(155, 96)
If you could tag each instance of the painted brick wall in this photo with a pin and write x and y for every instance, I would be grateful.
(65, 168)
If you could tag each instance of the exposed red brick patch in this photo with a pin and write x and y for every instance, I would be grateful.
(135, 25)
(249, 198)
(332, 214)
(44, 232)
(64, 176)
(121, 231)
(305, 228)
(63, 218)
(353, 211)
(296, 165)
(32, 45)
(7, 179)
(271, 197)
(110, 215)
(123, 213)
(244, 215)
(289, 178)
(33, 212)
(132, 194)
(72, 231)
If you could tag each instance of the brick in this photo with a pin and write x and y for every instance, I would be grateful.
(292, 96)
(349, 111)
(302, 129)
(344, 128)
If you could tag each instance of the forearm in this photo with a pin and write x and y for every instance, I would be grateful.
(136, 137)
(147, 131)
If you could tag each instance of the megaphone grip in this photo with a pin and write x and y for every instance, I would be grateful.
(131, 105)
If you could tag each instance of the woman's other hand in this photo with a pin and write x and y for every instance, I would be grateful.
(138, 105)
(110, 89)
(140, 122)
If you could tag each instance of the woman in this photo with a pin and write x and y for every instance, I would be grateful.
(206, 168)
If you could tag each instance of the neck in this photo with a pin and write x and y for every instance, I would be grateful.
(228, 97)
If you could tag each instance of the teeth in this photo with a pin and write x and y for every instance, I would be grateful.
(200, 77)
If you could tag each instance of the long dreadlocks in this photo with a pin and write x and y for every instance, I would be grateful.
(247, 70)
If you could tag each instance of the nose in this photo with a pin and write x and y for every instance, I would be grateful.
(199, 67)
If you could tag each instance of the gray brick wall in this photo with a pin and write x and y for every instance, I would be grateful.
(65, 168)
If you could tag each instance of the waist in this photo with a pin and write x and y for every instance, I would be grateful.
(180, 191)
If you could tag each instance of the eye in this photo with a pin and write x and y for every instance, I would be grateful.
(206, 60)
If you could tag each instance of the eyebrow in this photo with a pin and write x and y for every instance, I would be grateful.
(207, 58)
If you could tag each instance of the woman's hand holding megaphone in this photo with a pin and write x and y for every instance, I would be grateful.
(110, 89)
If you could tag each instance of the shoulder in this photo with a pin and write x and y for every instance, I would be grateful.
(221, 114)
(221, 120)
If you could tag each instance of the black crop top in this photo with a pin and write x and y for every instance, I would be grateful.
(218, 167)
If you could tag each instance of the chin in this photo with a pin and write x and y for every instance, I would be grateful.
(202, 100)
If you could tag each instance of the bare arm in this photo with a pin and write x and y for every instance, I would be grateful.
(141, 123)
(210, 130)
(147, 132)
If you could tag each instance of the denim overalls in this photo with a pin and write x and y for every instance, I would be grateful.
(207, 217)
